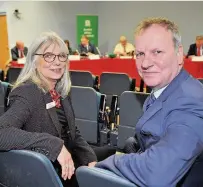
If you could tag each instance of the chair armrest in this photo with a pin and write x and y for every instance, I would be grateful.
(92, 177)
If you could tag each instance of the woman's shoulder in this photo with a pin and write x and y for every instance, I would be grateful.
(27, 89)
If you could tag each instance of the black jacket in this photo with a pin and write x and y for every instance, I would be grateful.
(15, 55)
(27, 124)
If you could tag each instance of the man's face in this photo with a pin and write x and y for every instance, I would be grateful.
(123, 42)
(84, 41)
(20, 46)
(199, 42)
(157, 61)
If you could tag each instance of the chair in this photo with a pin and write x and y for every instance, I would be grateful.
(1, 75)
(83, 78)
(131, 104)
(13, 74)
(96, 177)
(27, 168)
(4, 91)
(194, 175)
(85, 103)
(201, 80)
(114, 84)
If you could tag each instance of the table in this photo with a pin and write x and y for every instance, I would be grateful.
(116, 65)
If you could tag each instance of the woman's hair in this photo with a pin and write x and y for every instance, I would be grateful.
(30, 73)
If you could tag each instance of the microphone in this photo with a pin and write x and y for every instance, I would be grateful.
(77, 51)
(98, 51)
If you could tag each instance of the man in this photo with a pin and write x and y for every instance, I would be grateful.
(123, 48)
(196, 49)
(19, 51)
(86, 48)
(170, 131)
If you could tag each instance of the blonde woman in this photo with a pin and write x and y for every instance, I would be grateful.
(40, 115)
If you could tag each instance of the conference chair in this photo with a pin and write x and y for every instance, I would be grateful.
(201, 80)
(4, 92)
(131, 104)
(86, 103)
(96, 177)
(115, 84)
(1, 75)
(27, 168)
(12, 74)
(84, 78)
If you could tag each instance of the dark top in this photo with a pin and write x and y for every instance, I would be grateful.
(91, 49)
(30, 124)
(15, 55)
(192, 50)
(70, 50)
(65, 131)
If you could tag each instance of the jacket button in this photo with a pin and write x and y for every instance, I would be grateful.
(68, 132)
(47, 153)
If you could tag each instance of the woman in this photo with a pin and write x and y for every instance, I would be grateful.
(40, 115)
(68, 46)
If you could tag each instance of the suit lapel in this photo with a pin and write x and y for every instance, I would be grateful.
(52, 113)
(157, 106)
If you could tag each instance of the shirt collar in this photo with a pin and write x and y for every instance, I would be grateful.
(158, 92)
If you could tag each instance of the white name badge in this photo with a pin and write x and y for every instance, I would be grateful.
(50, 105)
(94, 57)
(74, 57)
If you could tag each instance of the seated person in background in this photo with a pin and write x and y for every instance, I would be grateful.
(169, 133)
(196, 49)
(123, 48)
(19, 51)
(40, 116)
(86, 47)
(68, 46)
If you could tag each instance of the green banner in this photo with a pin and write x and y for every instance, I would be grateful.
(87, 25)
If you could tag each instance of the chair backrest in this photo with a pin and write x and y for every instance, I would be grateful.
(1, 75)
(114, 84)
(82, 78)
(4, 91)
(131, 104)
(194, 176)
(85, 103)
(27, 168)
(201, 80)
(96, 177)
(13, 74)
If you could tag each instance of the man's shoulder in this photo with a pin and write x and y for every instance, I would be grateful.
(14, 48)
(193, 45)
(192, 88)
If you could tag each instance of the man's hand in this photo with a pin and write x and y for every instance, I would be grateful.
(66, 162)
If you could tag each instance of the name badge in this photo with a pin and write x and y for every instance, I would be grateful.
(50, 105)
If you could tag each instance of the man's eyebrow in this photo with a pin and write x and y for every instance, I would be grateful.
(139, 51)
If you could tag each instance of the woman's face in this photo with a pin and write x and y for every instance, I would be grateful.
(52, 63)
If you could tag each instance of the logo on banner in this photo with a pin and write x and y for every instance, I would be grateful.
(87, 23)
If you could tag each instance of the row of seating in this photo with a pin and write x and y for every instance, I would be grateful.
(96, 124)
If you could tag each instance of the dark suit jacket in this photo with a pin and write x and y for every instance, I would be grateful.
(192, 50)
(14, 53)
(27, 124)
(170, 136)
(91, 49)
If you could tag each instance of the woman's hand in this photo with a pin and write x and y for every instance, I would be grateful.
(66, 162)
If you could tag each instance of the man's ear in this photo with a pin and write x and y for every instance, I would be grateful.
(180, 54)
